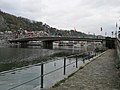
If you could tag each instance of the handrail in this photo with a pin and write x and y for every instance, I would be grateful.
(8, 71)
(43, 74)
(24, 83)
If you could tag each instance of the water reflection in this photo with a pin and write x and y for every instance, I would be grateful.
(11, 58)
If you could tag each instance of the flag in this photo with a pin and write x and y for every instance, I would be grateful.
(101, 29)
(116, 25)
(112, 33)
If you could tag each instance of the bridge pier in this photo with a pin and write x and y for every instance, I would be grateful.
(48, 44)
(23, 44)
(110, 42)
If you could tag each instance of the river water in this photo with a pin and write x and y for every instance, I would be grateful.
(12, 59)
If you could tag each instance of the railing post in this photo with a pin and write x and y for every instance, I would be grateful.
(83, 60)
(95, 53)
(42, 70)
(76, 62)
(64, 65)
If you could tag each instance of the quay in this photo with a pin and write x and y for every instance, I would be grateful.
(100, 74)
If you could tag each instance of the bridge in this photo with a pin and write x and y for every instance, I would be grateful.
(48, 41)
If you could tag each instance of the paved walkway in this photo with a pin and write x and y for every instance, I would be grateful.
(100, 74)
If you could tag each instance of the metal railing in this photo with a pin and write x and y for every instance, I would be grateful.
(64, 69)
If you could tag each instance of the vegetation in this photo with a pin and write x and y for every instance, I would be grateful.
(10, 22)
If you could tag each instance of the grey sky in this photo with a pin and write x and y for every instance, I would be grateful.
(85, 15)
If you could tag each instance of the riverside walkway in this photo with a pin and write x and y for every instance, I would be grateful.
(100, 74)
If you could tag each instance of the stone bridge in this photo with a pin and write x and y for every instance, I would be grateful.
(48, 41)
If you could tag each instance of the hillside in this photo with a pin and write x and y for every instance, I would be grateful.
(10, 22)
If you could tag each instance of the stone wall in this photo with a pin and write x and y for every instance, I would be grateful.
(118, 47)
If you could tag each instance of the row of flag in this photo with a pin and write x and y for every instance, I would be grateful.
(117, 26)
(101, 29)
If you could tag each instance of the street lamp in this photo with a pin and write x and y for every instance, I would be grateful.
(119, 33)
(105, 34)
(116, 30)
(101, 29)
(112, 33)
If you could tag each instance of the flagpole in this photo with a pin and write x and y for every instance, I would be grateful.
(116, 30)
(105, 34)
(101, 31)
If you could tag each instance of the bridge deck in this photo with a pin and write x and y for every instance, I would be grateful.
(101, 74)
(55, 39)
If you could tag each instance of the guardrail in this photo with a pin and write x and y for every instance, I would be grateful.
(77, 56)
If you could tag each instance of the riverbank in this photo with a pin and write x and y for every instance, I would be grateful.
(101, 74)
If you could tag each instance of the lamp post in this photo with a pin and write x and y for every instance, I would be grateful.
(116, 31)
(119, 33)
(101, 29)
(112, 33)
(105, 34)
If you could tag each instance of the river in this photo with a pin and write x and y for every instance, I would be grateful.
(16, 57)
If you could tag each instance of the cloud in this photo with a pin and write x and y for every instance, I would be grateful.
(85, 15)
(25, 8)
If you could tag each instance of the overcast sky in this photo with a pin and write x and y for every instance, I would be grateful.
(85, 15)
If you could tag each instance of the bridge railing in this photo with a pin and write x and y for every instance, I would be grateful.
(40, 79)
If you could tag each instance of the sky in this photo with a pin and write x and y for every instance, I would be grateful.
(86, 16)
